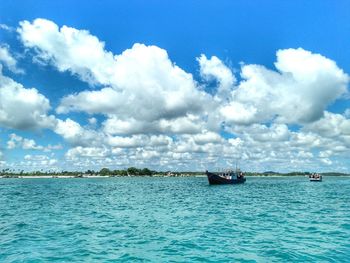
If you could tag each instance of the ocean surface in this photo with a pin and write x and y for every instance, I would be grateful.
(268, 219)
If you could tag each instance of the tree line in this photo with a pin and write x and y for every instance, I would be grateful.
(131, 171)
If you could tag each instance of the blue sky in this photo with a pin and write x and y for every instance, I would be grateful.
(217, 105)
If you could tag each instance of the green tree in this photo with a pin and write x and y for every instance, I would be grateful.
(105, 172)
(89, 172)
(146, 171)
(122, 172)
(133, 171)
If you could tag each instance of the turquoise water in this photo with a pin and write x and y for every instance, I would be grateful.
(174, 220)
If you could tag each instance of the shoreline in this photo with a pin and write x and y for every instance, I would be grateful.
(157, 176)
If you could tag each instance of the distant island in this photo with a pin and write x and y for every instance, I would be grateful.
(133, 171)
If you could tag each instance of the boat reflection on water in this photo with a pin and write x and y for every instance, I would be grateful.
(226, 177)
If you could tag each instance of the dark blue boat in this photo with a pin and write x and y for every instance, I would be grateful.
(229, 177)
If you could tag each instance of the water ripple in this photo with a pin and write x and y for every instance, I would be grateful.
(174, 220)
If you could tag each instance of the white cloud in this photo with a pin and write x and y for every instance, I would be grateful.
(37, 162)
(127, 142)
(207, 137)
(326, 161)
(260, 148)
(68, 49)
(298, 92)
(239, 113)
(24, 143)
(92, 121)
(6, 27)
(156, 114)
(307, 140)
(325, 154)
(101, 101)
(17, 141)
(23, 108)
(143, 83)
(50, 147)
(190, 124)
(8, 60)
(276, 132)
(347, 113)
(331, 125)
(214, 68)
(75, 134)
(90, 152)
(184, 125)
(147, 86)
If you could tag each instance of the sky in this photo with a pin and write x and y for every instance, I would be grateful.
(175, 85)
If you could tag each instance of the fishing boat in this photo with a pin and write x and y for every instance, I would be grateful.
(226, 177)
(315, 177)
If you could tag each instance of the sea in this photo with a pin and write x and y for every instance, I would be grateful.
(181, 219)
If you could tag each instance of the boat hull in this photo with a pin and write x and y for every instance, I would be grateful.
(216, 179)
(315, 180)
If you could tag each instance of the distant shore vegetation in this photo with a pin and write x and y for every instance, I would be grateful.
(133, 171)
(104, 172)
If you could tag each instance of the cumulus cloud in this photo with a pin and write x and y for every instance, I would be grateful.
(214, 68)
(239, 113)
(331, 125)
(17, 141)
(8, 60)
(185, 125)
(298, 92)
(207, 137)
(333, 131)
(68, 49)
(90, 152)
(146, 92)
(147, 86)
(274, 133)
(143, 82)
(75, 134)
(156, 114)
(127, 142)
(37, 162)
(23, 108)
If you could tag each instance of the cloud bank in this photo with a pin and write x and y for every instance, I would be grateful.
(153, 113)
